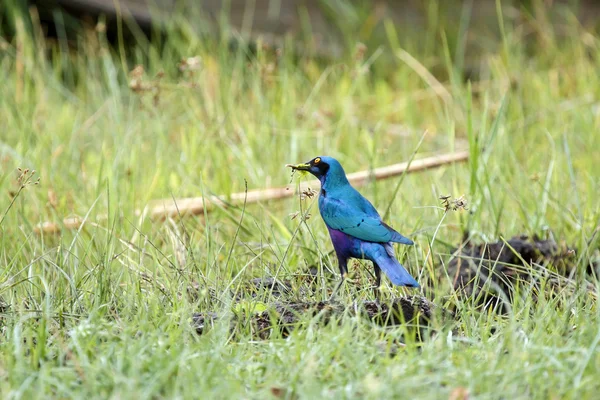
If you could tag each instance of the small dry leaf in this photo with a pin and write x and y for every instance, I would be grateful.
(459, 393)
(278, 392)
(137, 71)
(190, 63)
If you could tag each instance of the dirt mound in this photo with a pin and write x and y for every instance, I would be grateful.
(415, 311)
(489, 271)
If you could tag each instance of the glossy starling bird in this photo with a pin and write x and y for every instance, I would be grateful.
(355, 226)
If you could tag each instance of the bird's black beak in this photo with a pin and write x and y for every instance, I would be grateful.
(299, 167)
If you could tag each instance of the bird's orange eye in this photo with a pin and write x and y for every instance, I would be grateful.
(317, 160)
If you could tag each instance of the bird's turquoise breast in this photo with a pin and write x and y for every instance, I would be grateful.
(330, 206)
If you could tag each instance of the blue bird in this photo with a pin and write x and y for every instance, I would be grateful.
(354, 225)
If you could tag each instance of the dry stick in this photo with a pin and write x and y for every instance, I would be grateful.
(167, 208)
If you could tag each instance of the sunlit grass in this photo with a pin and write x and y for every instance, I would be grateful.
(105, 311)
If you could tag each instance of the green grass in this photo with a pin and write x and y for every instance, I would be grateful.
(105, 311)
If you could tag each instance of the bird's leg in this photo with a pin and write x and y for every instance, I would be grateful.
(377, 287)
(344, 271)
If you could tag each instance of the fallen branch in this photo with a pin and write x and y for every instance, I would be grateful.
(169, 208)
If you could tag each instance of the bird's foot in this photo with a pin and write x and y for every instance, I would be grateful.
(337, 288)
(377, 293)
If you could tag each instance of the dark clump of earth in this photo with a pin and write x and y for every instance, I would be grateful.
(489, 272)
(415, 311)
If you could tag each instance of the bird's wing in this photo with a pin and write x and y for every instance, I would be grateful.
(357, 217)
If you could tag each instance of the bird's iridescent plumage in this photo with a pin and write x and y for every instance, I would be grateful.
(355, 226)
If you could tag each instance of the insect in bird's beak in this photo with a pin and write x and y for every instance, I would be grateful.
(303, 168)
(298, 167)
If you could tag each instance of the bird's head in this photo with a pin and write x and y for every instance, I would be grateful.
(324, 168)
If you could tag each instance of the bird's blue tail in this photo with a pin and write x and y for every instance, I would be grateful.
(386, 260)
